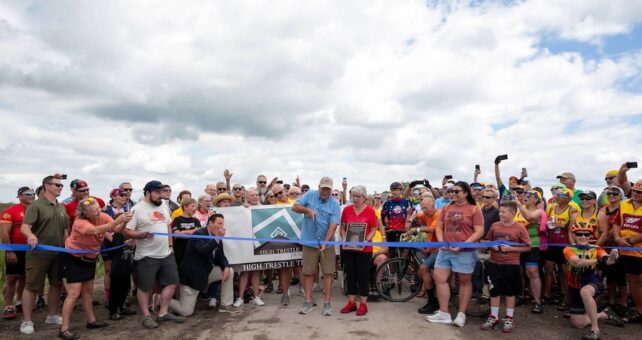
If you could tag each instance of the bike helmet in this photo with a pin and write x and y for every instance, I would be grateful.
(396, 185)
(581, 226)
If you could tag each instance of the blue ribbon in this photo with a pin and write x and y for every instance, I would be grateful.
(44, 247)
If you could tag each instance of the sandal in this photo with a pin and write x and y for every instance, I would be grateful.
(562, 307)
(279, 290)
(537, 308)
(633, 317)
(269, 288)
(68, 335)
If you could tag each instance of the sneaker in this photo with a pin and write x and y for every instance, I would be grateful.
(227, 309)
(285, 300)
(508, 325)
(429, 308)
(349, 307)
(26, 327)
(238, 303)
(307, 308)
(363, 309)
(327, 309)
(54, 319)
(592, 335)
(149, 323)
(316, 288)
(96, 324)
(257, 301)
(537, 308)
(115, 316)
(213, 303)
(613, 318)
(460, 320)
(490, 323)
(440, 317)
(9, 313)
(170, 317)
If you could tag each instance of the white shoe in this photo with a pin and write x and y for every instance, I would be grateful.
(439, 317)
(238, 303)
(257, 301)
(213, 302)
(460, 320)
(26, 327)
(54, 319)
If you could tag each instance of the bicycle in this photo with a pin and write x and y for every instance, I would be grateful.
(398, 279)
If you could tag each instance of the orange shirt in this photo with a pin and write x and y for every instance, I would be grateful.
(80, 239)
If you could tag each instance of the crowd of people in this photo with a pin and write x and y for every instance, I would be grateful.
(561, 251)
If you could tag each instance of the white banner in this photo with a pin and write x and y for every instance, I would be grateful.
(263, 222)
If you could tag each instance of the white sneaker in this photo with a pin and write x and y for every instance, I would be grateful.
(54, 319)
(26, 327)
(439, 317)
(460, 320)
(238, 303)
(213, 302)
(257, 301)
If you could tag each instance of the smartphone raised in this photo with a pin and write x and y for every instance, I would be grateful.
(502, 157)
(632, 165)
(476, 166)
(448, 177)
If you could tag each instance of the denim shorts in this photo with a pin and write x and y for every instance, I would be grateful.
(429, 261)
(460, 262)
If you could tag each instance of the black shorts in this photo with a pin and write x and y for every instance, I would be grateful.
(75, 269)
(556, 255)
(17, 268)
(575, 303)
(632, 264)
(615, 274)
(530, 258)
(504, 279)
(150, 270)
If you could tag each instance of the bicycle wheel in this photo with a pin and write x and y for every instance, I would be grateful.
(397, 280)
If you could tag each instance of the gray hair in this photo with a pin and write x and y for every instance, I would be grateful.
(83, 205)
(359, 190)
(202, 197)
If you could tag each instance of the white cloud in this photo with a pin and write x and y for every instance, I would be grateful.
(373, 91)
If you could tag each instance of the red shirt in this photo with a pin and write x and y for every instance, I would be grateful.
(14, 215)
(71, 208)
(367, 217)
(515, 232)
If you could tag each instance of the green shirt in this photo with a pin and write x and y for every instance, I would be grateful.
(48, 222)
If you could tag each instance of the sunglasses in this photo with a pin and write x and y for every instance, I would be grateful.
(294, 194)
(612, 194)
(238, 189)
(530, 194)
(586, 198)
(335, 194)
(270, 196)
(167, 190)
(29, 193)
(377, 198)
(609, 178)
(127, 189)
(456, 191)
(261, 182)
(56, 184)
(278, 193)
(488, 197)
(222, 189)
(587, 234)
(518, 191)
(305, 190)
(122, 195)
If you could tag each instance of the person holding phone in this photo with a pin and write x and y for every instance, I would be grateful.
(504, 193)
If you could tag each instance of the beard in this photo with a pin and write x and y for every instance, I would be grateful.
(157, 202)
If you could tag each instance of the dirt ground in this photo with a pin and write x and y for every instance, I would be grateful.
(273, 321)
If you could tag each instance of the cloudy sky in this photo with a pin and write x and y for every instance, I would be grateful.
(374, 91)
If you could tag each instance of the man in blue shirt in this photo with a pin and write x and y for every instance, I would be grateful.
(322, 215)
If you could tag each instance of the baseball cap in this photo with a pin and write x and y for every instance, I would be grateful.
(325, 182)
(558, 186)
(476, 185)
(23, 189)
(153, 186)
(611, 173)
(77, 184)
(588, 193)
(115, 192)
(566, 175)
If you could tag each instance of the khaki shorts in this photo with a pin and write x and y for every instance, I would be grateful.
(312, 258)
(39, 268)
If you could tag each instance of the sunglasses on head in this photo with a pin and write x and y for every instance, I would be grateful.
(89, 201)
(582, 234)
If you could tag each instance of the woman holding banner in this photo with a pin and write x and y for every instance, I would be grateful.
(461, 222)
(254, 276)
(358, 221)
(78, 270)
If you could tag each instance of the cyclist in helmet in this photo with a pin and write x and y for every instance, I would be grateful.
(395, 212)
(583, 260)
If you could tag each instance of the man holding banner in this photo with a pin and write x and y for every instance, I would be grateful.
(322, 215)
